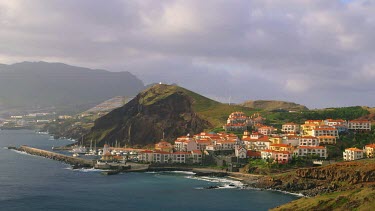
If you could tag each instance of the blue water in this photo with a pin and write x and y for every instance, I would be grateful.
(33, 183)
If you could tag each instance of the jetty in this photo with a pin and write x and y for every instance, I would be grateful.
(75, 162)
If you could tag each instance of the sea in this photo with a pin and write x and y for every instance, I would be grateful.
(29, 182)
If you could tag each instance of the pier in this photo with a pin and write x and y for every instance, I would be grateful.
(76, 162)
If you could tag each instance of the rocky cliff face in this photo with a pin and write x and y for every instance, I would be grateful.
(162, 109)
(317, 180)
(351, 172)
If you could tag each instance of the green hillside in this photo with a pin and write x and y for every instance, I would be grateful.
(270, 105)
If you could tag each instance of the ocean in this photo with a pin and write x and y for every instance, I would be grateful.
(34, 183)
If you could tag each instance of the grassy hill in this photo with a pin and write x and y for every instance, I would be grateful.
(270, 105)
(215, 112)
(161, 110)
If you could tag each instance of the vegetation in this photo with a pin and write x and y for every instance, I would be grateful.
(352, 199)
(277, 118)
(271, 105)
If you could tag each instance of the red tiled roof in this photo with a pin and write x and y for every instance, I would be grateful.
(197, 152)
(309, 137)
(251, 153)
(370, 145)
(360, 121)
(354, 149)
(181, 153)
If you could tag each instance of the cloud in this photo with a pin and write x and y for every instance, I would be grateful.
(314, 52)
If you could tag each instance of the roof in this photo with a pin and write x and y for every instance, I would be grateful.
(325, 128)
(162, 152)
(251, 153)
(309, 124)
(370, 145)
(354, 149)
(196, 152)
(360, 121)
(327, 137)
(181, 153)
(146, 151)
(309, 137)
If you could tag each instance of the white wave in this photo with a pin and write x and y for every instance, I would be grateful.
(183, 172)
(286, 192)
(23, 153)
(224, 183)
(87, 170)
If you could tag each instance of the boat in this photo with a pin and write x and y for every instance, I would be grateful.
(79, 150)
(75, 155)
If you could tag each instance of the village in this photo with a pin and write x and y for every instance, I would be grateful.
(306, 141)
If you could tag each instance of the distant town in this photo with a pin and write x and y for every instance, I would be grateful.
(307, 143)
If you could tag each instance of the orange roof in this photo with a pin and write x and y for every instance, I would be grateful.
(360, 121)
(325, 128)
(162, 152)
(283, 152)
(309, 137)
(251, 153)
(354, 149)
(309, 124)
(181, 153)
(197, 152)
(370, 145)
(327, 137)
(268, 150)
(146, 151)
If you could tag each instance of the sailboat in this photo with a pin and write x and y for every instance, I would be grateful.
(79, 149)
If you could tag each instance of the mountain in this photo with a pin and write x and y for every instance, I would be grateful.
(167, 109)
(29, 85)
(271, 105)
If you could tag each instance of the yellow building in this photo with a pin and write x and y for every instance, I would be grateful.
(276, 139)
(281, 147)
(370, 150)
(307, 129)
(327, 139)
(315, 122)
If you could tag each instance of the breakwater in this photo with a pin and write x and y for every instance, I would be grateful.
(76, 162)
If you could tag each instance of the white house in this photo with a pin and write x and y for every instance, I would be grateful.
(240, 152)
(352, 154)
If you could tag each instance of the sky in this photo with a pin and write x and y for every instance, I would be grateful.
(320, 53)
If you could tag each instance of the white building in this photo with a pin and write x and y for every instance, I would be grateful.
(240, 152)
(290, 128)
(308, 141)
(325, 131)
(352, 154)
(304, 151)
(359, 125)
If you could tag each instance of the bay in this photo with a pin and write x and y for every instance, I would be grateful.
(34, 183)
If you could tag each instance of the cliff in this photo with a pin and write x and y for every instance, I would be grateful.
(340, 186)
(161, 110)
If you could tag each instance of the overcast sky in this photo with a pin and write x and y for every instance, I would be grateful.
(320, 53)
